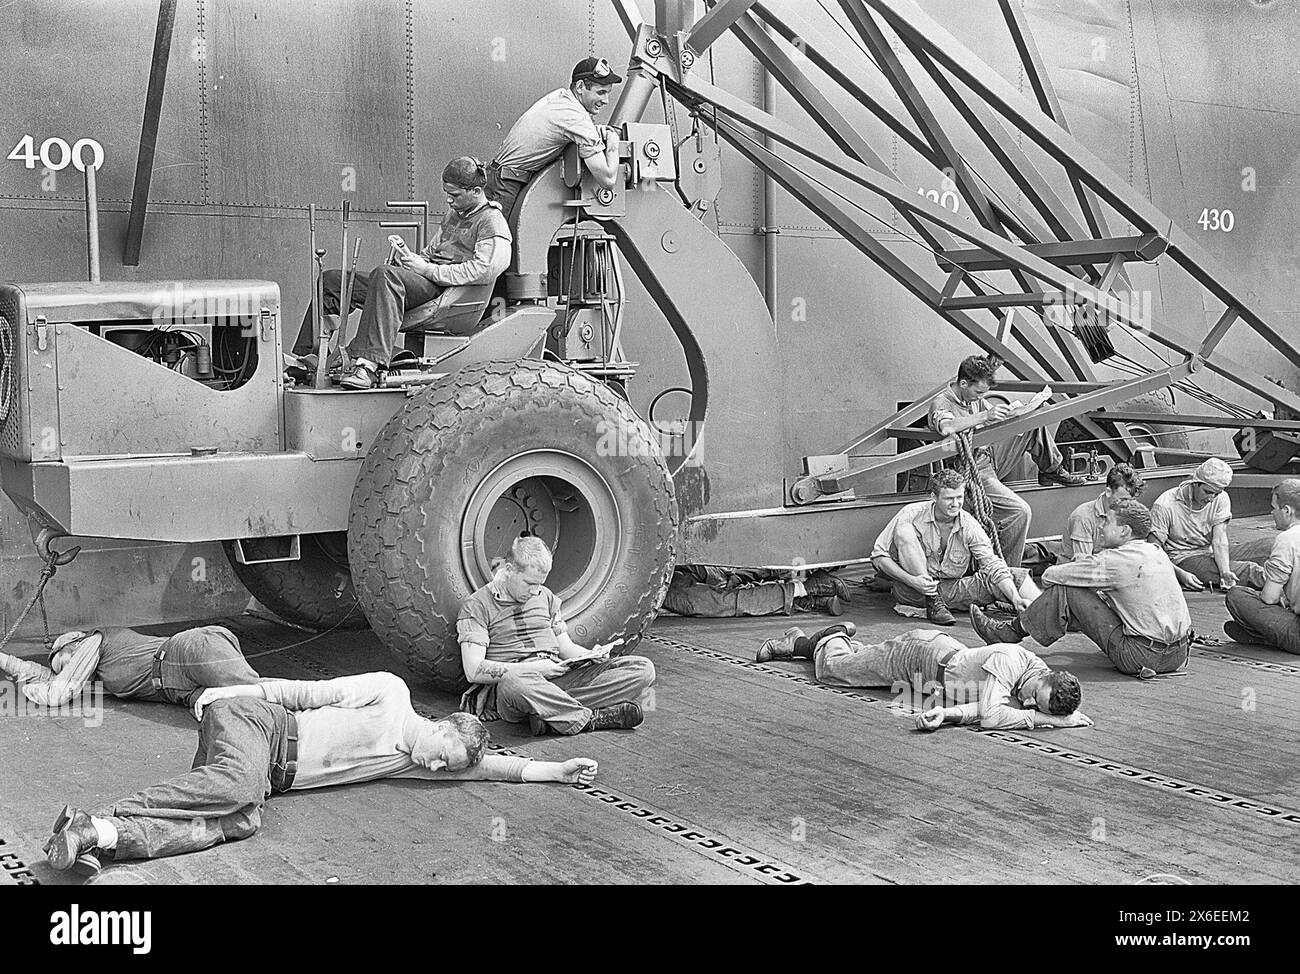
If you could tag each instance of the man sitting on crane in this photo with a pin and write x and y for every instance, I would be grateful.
(471, 246)
(993, 686)
(516, 650)
(551, 123)
(927, 549)
(960, 407)
(133, 666)
(1190, 522)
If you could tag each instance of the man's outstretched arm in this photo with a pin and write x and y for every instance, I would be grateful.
(353, 692)
(501, 767)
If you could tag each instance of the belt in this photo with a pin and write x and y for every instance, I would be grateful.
(942, 666)
(282, 775)
(155, 671)
(1160, 644)
(510, 172)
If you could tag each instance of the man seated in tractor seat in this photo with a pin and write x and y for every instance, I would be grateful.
(515, 648)
(471, 246)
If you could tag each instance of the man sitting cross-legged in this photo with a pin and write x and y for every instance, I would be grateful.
(277, 735)
(1270, 617)
(927, 549)
(989, 685)
(1125, 598)
(515, 646)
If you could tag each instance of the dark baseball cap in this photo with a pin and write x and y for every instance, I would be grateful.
(594, 69)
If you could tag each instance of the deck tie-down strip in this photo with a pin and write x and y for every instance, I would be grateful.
(1071, 756)
(1258, 664)
(714, 847)
(14, 868)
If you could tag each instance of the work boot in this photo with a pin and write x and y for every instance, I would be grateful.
(992, 632)
(830, 604)
(823, 584)
(73, 842)
(937, 611)
(1046, 478)
(621, 716)
(783, 648)
(1240, 634)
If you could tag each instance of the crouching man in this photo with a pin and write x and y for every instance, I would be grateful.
(1125, 598)
(927, 550)
(278, 735)
(995, 686)
(133, 666)
(515, 648)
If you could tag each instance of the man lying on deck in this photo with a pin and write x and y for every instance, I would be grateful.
(133, 666)
(989, 685)
(277, 735)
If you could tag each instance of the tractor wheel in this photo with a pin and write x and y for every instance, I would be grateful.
(497, 449)
(315, 591)
(1165, 437)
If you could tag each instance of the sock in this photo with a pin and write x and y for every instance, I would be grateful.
(106, 831)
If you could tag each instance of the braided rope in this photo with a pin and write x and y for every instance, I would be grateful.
(981, 507)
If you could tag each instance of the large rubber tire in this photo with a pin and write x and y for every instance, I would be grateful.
(315, 591)
(467, 464)
(1166, 437)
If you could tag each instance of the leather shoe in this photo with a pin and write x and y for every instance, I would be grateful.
(937, 611)
(621, 716)
(1046, 478)
(74, 841)
(995, 632)
(782, 648)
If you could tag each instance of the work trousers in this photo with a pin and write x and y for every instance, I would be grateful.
(962, 593)
(191, 661)
(1246, 560)
(564, 704)
(384, 296)
(1067, 607)
(504, 187)
(1272, 625)
(1011, 515)
(242, 758)
(911, 658)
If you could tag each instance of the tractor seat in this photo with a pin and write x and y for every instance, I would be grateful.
(456, 311)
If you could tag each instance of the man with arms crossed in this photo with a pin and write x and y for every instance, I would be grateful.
(515, 649)
(993, 686)
(927, 549)
(1269, 617)
(278, 735)
(1124, 598)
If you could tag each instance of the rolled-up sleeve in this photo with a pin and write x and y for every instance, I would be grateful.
(472, 624)
(885, 539)
(1160, 520)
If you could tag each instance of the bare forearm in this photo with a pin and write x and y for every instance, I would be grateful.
(1219, 545)
(490, 671)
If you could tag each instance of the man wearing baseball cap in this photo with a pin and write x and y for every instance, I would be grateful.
(133, 666)
(1190, 522)
(554, 120)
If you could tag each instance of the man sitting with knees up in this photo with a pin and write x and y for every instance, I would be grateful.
(1269, 617)
(515, 648)
(1190, 522)
(927, 549)
(1124, 598)
(993, 686)
(471, 246)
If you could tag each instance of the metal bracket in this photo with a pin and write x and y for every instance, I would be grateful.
(42, 333)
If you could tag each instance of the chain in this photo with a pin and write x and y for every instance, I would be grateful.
(53, 561)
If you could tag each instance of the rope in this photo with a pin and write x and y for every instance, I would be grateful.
(981, 507)
(39, 596)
